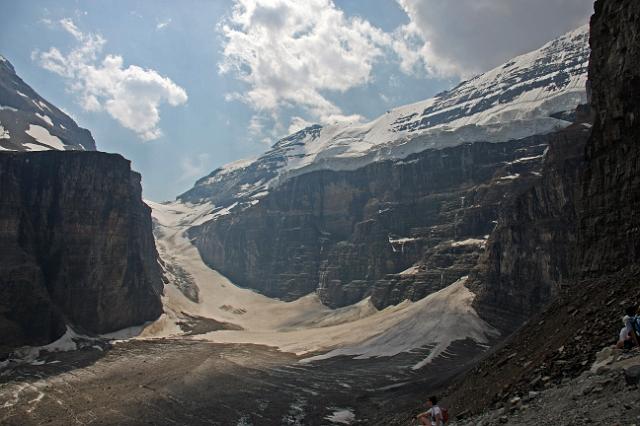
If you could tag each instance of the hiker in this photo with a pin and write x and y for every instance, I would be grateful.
(433, 416)
(628, 337)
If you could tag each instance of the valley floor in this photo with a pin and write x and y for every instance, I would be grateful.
(173, 381)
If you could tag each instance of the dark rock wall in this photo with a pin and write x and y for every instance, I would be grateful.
(604, 248)
(609, 236)
(348, 235)
(582, 219)
(532, 250)
(76, 246)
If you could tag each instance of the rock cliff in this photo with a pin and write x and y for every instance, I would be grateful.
(76, 247)
(588, 250)
(581, 219)
(392, 230)
(397, 208)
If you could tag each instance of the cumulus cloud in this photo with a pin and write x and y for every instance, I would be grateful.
(465, 37)
(291, 53)
(131, 95)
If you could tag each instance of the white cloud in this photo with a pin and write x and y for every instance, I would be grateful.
(297, 124)
(464, 37)
(291, 53)
(132, 95)
(163, 24)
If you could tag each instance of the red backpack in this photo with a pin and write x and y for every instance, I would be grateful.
(445, 415)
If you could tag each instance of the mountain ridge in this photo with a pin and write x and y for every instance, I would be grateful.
(28, 122)
(480, 109)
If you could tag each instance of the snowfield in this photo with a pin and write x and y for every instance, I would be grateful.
(303, 326)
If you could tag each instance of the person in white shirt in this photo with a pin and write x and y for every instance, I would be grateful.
(433, 416)
(628, 338)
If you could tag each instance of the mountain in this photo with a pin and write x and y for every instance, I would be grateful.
(532, 94)
(76, 245)
(567, 251)
(400, 207)
(28, 122)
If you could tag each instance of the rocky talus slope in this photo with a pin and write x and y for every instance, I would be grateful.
(76, 247)
(28, 122)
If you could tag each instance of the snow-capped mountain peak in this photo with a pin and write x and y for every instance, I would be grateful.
(529, 95)
(29, 123)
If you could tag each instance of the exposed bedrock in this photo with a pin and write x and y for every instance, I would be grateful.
(392, 230)
(76, 247)
(581, 220)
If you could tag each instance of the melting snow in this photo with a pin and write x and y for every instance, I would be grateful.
(43, 136)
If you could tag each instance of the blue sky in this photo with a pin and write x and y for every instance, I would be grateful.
(182, 87)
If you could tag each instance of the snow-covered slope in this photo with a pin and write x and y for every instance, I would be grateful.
(303, 326)
(531, 94)
(29, 123)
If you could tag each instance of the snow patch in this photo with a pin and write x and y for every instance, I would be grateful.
(45, 118)
(469, 242)
(4, 133)
(412, 270)
(43, 136)
(510, 177)
(342, 416)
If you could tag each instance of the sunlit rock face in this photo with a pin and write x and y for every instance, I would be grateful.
(76, 247)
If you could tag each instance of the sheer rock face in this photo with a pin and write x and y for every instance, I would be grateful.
(609, 236)
(581, 220)
(76, 247)
(396, 208)
(532, 250)
(392, 230)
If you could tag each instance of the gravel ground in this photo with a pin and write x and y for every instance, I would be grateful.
(194, 382)
(608, 395)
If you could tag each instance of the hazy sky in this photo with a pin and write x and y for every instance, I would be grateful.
(181, 87)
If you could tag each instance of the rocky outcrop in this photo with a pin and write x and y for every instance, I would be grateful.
(599, 257)
(28, 122)
(392, 230)
(532, 250)
(76, 247)
(581, 219)
(609, 227)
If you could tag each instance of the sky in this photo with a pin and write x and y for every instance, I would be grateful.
(183, 87)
